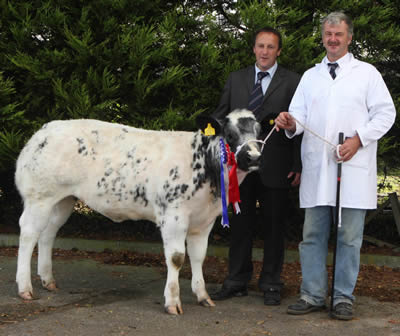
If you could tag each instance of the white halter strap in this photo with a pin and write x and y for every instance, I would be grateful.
(262, 141)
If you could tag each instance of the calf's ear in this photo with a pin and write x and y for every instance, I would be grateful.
(208, 125)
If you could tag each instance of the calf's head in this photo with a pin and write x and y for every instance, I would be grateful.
(240, 130)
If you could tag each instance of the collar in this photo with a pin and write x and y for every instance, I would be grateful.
(271, 70)
(342, 62)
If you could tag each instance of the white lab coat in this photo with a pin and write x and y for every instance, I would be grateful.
(357, 101)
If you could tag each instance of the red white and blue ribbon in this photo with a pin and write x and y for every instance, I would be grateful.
(234, 194)
(223, 160)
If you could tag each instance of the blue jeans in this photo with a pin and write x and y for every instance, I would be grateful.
(314, 251)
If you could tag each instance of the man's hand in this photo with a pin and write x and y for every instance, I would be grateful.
(296, 178)
(285, 121)
(350, 147)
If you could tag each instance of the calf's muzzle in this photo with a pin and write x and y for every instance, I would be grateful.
(248, 157)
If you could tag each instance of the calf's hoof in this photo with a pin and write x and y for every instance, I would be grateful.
(52, 286)
(27, 296)
(174, 310)
(207, 303)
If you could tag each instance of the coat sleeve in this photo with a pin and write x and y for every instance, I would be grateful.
(297, 166)
(381, 110)
(298, 108)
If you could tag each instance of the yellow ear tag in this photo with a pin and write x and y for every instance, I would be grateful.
(209, 130)
(272, 121)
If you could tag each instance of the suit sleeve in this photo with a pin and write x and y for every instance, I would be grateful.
(297, 166)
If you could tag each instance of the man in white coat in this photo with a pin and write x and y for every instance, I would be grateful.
(341, 94)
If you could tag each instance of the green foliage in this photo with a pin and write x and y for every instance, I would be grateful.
(9, 109)
(11, 120)
(157, 64)
(11, 143)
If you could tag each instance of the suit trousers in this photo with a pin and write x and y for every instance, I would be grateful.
(273, 202)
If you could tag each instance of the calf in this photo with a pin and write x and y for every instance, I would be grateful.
(170, 178)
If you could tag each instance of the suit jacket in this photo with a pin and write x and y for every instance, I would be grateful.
(280, 155)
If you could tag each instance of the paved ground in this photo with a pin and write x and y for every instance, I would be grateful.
(98, 299)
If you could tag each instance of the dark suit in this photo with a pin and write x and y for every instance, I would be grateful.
(269, 185)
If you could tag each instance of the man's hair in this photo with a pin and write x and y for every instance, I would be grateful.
(268, 30)
(335, 18)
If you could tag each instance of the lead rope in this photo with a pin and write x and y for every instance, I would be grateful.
(336, 148)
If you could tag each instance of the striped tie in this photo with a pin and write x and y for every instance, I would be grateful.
(332, 70)
(256, 96)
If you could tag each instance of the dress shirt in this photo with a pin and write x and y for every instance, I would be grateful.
(267, 79)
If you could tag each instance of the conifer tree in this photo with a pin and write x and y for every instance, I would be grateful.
(157, 64)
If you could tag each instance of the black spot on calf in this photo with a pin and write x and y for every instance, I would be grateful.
(139, 194)
(41, 146)
(174, 173)
(204, 156)
(81, 147)
(108, 172)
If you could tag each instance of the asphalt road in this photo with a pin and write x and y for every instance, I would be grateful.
(98, 299)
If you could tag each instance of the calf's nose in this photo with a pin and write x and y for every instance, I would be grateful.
(253, 160)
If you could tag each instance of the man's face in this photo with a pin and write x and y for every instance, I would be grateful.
(266, 50)
(336, 40)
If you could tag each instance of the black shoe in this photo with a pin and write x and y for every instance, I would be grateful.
(342, 311)
(302, 307)
(227, 293)
(272, 297)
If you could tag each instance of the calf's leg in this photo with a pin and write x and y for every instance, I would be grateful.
(197, 247)
(59, 215)
(33, 221)
(174, 250)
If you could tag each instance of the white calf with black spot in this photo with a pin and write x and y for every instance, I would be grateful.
(170, 178)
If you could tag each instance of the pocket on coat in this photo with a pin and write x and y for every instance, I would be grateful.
(360, 159)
